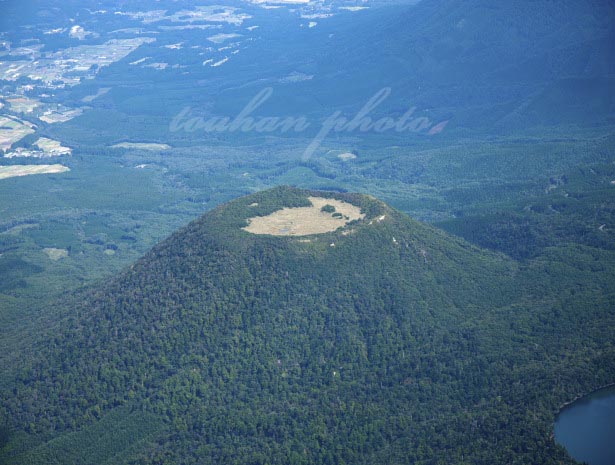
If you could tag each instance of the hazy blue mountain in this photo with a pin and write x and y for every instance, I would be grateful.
(483, 65)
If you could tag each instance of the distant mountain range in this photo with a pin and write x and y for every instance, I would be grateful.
(482, 65)
(477, 67)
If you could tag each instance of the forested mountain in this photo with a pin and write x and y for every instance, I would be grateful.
(306, 324)
(384, 341)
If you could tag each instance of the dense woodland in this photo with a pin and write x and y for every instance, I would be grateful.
(406, 343)
(401, 344)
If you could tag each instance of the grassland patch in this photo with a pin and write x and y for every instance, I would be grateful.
(305, 221)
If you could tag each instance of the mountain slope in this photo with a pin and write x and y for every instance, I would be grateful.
(386, 341)
(479, 64)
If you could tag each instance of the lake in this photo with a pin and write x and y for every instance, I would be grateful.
(586, 428)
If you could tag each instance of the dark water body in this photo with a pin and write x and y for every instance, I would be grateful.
(586, 428)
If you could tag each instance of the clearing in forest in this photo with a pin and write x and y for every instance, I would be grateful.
(323, 216)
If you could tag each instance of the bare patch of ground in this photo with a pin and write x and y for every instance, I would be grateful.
(157, 65)
(346, 156)
(23, 104)
(15, 230)
(24, 170)
(46, 148)
(12, 130)
(60, 115)
(220, 38)
(305, 221)
(55, 254)
(52, 147)
(102, 91)
(141, 146)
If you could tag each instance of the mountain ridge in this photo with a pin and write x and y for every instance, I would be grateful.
(476, 64)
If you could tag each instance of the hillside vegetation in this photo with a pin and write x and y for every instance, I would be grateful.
(399, 344)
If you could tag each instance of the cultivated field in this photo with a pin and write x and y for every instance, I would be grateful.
(12, 130)
(52, 147)
(141, 146)
(24, 170)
